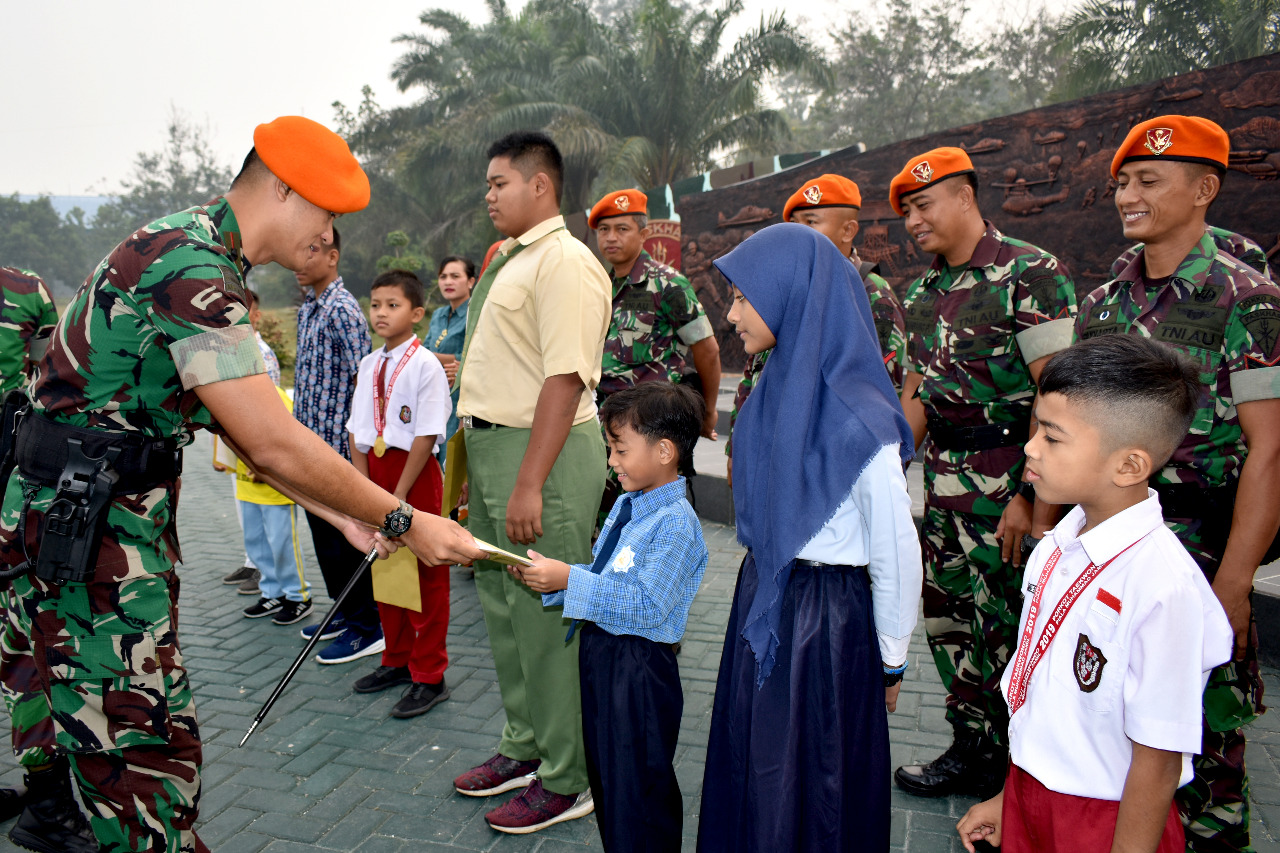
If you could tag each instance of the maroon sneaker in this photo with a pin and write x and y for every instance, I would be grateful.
(495, 776)
(536, 808)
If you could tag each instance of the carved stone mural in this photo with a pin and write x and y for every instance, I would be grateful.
(1043, 177)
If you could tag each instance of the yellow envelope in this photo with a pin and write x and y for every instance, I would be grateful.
(395, 580)
(455, 472)
(499, 555)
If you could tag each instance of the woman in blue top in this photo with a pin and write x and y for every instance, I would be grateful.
(448, 330)
(798, 753)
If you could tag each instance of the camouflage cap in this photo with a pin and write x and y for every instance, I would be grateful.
(925, 170)
(823, 191)
(314, 161)
(1190, 139)
(619, 203)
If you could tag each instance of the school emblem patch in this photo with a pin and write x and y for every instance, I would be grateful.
(1159, 139)
(1088, 664)
(406, 414)
(813, 194)
(923, 172)
(622, 202)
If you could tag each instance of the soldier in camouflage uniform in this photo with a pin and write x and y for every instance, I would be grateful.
(1183, 288)
(155, 344)
(656, 317)
(1236, 245)
(27, 315)
(981, 323)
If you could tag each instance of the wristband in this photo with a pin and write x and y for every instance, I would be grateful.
(893, 674)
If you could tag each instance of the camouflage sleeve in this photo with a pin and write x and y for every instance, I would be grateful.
(1252, 345)
(47, 319)
(1044, 308)
(890, 324)
(918, 326)
(195, 300)
(684, 312)
(755, 364)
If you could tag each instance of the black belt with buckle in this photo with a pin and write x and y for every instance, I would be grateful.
(814, 564)
(472, 422)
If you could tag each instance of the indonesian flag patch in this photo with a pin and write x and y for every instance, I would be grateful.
(1089, 662)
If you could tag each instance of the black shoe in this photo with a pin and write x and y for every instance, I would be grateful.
(382, 678)
(419, 699)
(264, 607)
(239, 576)
(292, 611)
(249, 586)
(12, 802)
(962, 769)
(51, 821)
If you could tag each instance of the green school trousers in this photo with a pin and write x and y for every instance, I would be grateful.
(537, 670)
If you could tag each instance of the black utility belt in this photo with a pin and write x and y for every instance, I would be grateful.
(1213, 507)
(43, 447)
(472, 422)
(948, 436)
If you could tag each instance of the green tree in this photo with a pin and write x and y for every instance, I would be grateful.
(1109, 44)
(185, 173)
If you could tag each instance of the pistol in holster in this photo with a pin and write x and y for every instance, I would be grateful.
(73, 522)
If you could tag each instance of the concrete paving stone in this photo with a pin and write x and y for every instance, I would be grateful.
(243, 842)
(289, 827)
(381, 844)
(227, 824)
(419, 828)
(351, 830)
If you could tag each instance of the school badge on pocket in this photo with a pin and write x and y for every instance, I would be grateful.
(405, 415)
(1088, 664)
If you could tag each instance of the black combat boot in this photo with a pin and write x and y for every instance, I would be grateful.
(11, 802)
(964, 768)
(51, 821)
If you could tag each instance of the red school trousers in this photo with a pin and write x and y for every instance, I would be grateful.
(1037, 820)
(416, 639)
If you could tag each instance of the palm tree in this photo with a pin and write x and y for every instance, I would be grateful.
(1109, 44)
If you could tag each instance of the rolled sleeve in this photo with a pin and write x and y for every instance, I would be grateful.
(219, 354)
(1262, 383)
(695, 332)
(1045, 339)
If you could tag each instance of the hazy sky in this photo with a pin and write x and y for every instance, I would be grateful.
(89, 85)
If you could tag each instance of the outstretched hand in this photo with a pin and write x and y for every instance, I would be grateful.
(544, 575)
(982, 823)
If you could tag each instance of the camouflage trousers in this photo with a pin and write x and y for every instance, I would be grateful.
(94, 671)
(1214, 805)
(972, 601)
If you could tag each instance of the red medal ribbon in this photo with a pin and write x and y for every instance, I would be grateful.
(379, 405)
(1027, 659)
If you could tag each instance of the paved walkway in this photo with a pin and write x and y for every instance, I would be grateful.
(331, 771)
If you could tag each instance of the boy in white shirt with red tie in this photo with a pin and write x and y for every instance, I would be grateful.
(398, 416)
(1119, 627)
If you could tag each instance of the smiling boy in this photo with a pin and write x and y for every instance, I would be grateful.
(634, 599)
(1119, 627)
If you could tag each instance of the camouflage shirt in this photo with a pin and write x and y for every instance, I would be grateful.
(163, 314)
(654, 311)
(972, 331)
(1236, 245)
(27, 316)
(890, 323)
(1225, 316)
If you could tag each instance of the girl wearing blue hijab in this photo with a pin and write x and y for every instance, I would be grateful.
(798, 756)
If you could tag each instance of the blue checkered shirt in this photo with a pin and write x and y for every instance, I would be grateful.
(332, 338)
(649, 582)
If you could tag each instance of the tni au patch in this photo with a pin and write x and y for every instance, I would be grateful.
(1089, 662)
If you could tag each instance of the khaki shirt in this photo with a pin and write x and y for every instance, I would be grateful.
(546, 315)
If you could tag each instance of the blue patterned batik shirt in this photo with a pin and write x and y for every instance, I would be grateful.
(649, 582)
(332, 338)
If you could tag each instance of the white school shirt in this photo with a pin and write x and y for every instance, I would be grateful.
(874, 528)
(1159, 628)
(419, 403)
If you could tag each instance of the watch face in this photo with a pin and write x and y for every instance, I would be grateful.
(397, 523)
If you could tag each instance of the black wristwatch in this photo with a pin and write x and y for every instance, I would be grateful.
(894, 675)
(1029, 544)
(398, 521)
(1028, 492)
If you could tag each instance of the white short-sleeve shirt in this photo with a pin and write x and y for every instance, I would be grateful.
(419, 402)
(1129, 663)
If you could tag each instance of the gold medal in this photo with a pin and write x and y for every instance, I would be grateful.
(379, 447)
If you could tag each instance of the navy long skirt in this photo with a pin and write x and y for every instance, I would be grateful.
(801, 764)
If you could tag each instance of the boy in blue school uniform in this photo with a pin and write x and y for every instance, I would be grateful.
(633, 603)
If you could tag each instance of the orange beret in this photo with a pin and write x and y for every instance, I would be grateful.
(925, 170)
(823, 191)
(620, 203)
(1188, 138)
(314, 162)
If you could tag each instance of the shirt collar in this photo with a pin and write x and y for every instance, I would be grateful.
(228, 231)
(644, 503)
(534, 234)
(462, 306)
(1193, 270)
(325, 295)
(984, 254)
(398, 351)
(1112, 536)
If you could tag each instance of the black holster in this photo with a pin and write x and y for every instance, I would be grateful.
(11, 408)
(1213, 507)
(74, 521)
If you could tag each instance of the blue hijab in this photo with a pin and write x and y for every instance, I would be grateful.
(823, 407)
